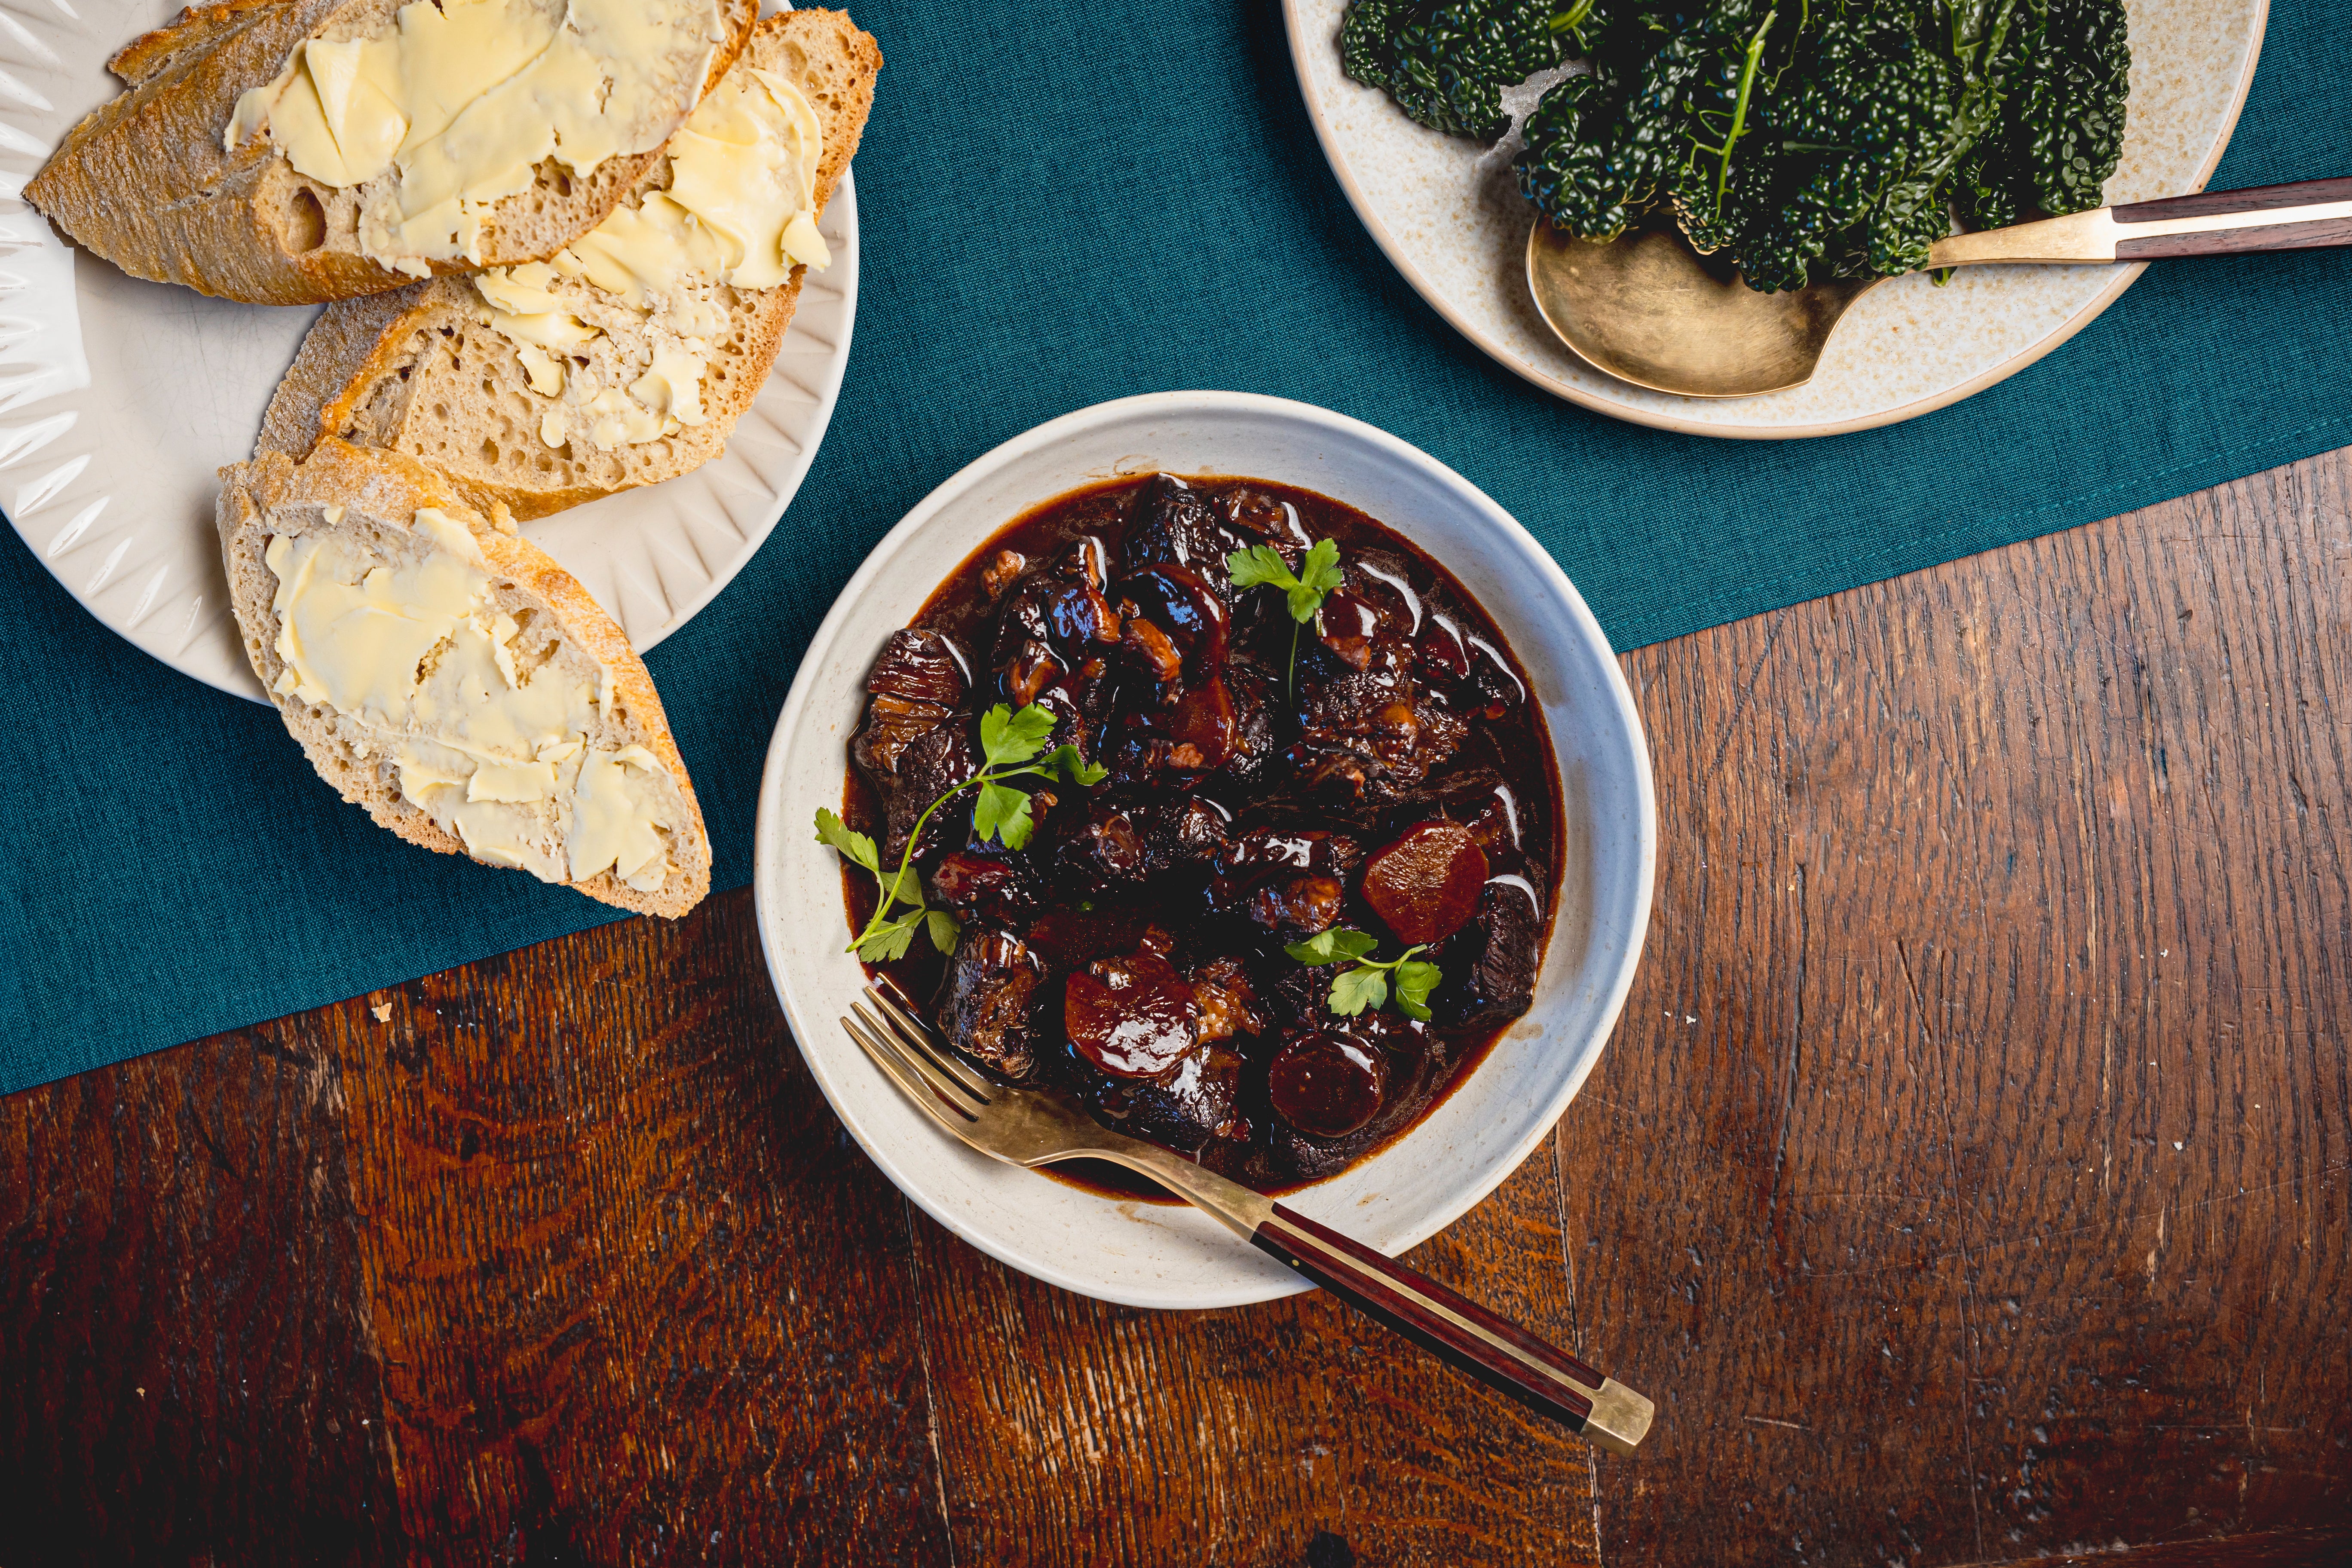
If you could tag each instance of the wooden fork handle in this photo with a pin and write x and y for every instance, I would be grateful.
(1490, 1349)
(2309, 214)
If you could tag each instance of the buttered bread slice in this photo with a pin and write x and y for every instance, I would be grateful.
(448, 675)
(627, 358)
(289, 151)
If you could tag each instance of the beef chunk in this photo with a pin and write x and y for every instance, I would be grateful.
(891, 725)
(1490, 964)
(1183, 604)
(1001, 571)
(1055, 618)
(1185, 1106)
(1058, 602)
(1296, 908)
(1227, 999)
(993, 987)
(915, 684)
(1180, 833)
(919, 666)
(997, 888)
(1190, 735)
(1369, 732)
(1175, 525)
(932, 763)
(1102, 853)
(1367, 739)
(1267, 517)
(1295, 995)
(1276, 854)
(1253, 747)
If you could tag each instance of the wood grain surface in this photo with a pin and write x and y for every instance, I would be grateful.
(1967, 1181)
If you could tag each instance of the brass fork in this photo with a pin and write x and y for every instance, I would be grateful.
(1031, 1127)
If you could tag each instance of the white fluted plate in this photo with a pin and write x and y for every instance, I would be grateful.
(120, 398)
(1447, 211)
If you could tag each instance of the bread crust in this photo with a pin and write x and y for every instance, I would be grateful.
(358, 347)
(146, 182)
(390, 488)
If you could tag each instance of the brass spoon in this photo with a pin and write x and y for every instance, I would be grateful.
(1647, 309)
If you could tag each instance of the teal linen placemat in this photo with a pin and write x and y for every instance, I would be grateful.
(1059, 208)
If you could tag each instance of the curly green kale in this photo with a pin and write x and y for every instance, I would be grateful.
(1444, 77)
(2075, 111)
(1364, 51)
(1446, 62)
(1915, 210)
(1869, 130)
(1632, 137)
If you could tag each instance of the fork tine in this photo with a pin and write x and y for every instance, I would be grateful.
(926, 1098)
(920, 1065)
(911, 1031)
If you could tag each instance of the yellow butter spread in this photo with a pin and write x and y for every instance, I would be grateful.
(462, 99)
(484, 731)
(740, 210)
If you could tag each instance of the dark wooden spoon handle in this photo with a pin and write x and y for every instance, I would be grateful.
(2268, 225)
(1496, 1352)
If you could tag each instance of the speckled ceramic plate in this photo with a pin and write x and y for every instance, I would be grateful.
(1448, 213)
(119, 399)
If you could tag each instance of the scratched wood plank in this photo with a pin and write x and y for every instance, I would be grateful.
(186, 1374)
(2318, 1548)
(1075, 1432)
(1989, 1062)
(567, 1241)
(637, 1297)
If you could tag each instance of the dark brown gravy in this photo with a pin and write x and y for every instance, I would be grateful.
(1512, 747)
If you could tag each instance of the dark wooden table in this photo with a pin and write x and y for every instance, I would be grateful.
(1967, 1181)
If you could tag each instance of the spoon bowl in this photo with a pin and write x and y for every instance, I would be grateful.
(1648, 309)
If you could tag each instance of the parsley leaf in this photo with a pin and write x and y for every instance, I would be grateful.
(1415, 982)
(1320, 575)
(1002, 814)
(889, 941)
(1366, 984)
(1260, 564)
(1357, 989)
(1336, 945)
(944, 929)
(855, 847)
(1007, 738)
(1064, 761)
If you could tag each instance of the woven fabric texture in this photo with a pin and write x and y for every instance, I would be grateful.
(1064, 205)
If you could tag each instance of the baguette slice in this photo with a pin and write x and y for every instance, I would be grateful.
(417, 371)
(341, 496)
(145, 181)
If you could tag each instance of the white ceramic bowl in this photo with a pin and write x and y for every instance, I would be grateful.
(1147, 1254)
